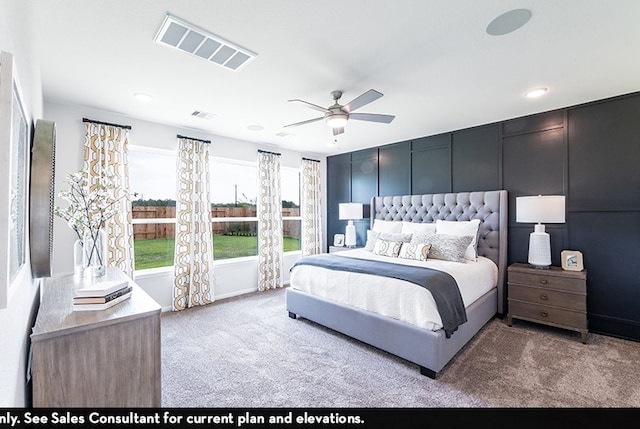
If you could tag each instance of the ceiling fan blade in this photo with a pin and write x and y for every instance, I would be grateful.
(311, 105)
(308, 121)
(337, 131)
(361, 100)
(372, 117)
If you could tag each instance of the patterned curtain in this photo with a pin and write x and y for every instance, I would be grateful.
(270, 253)
(311, 210)
(106, 148)
(193, 262)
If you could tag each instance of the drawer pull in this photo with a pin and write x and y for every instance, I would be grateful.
(544, 297)
(544, 281)
(544, 314)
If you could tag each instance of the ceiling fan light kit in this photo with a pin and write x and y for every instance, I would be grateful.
(336, 116)
(337, 120)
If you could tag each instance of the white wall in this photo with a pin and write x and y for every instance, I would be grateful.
(23, 297)
(230, 277)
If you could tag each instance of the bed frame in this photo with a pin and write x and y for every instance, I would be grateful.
(428, 349)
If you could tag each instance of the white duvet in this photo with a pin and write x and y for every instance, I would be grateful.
(395, 298)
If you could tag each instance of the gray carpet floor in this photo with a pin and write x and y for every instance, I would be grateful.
(246, 352)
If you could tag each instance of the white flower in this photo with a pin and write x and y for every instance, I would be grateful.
(90, 206)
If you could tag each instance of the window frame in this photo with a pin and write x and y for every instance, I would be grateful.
(146, 221)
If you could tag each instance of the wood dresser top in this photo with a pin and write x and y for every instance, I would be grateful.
(56, 316)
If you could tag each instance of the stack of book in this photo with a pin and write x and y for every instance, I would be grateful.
(101, 295)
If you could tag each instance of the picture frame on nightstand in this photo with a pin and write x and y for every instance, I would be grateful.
(572, 260)
(338, 240)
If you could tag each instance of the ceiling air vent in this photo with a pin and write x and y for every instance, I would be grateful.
(195, 41)
(203, 115)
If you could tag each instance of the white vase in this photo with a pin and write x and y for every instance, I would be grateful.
(94, 252)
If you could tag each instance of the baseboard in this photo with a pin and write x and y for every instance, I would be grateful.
(226, 296)
(615, 327)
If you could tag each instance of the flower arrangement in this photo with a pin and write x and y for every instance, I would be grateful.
(89, 208)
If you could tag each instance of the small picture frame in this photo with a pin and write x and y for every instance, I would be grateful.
(572, 260)
(338, 240)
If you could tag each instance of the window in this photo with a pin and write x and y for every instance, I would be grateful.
(233, 192)
(152, 179)
(291, 220)
(233, 208)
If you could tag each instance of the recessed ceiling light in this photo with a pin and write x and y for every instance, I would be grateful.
(536, 92)
(141, 96)
(255, 127)
(508, 22)
(333, 143)
(285, 134)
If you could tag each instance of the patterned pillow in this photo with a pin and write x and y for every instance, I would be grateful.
(462, 228)
(387, 248)
(415, 251)
(373, 236)
(444, 246)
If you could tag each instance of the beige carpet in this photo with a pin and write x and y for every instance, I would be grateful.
(528, 365)
(246, 352)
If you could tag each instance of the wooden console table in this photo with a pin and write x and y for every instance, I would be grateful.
(104, 358)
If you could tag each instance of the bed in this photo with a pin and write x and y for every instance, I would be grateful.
(328, 296)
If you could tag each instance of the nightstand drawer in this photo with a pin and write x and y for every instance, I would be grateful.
(570, 301)
(549, 315)
(543, 279)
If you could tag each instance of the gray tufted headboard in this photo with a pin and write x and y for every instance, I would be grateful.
(488, 206)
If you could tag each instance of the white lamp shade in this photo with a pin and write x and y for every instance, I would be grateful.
(350, 211)
(540, 209)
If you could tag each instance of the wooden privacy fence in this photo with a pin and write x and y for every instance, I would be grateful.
(291, 228)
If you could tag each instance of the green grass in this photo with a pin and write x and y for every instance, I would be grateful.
(158, 252)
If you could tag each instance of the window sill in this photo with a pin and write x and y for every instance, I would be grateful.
(162, 271)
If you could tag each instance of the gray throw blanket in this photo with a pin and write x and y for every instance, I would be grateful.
(442, 286)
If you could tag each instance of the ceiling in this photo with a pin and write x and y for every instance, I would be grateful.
(434, 62)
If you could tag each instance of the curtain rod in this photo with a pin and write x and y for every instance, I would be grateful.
(192, 138)
(310, 159)
(266, 151)
(127, 127)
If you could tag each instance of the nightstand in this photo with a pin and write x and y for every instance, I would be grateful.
(553, 297)
(334, 249)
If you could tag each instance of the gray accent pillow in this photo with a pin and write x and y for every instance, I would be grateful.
(372, 237)
(444, 246)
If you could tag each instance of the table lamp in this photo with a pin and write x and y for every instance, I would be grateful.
(350, 212)
(539, 210)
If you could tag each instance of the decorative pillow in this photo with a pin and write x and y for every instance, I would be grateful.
(387, 248)
(469, 228)
(372, 236)
(416, 251)
(411, 227)
(380, 225)
(444, 246)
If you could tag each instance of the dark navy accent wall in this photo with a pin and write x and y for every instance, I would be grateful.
(590, 153)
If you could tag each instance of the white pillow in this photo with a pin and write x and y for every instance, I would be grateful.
(463, 228)
(411, 227)
(387, 226)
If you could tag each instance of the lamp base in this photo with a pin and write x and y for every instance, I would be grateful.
(540, 267)
(539, 248)
(350, 235)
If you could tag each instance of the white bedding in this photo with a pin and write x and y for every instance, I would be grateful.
(394, 298)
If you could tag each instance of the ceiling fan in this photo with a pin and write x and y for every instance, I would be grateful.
(337, 116)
